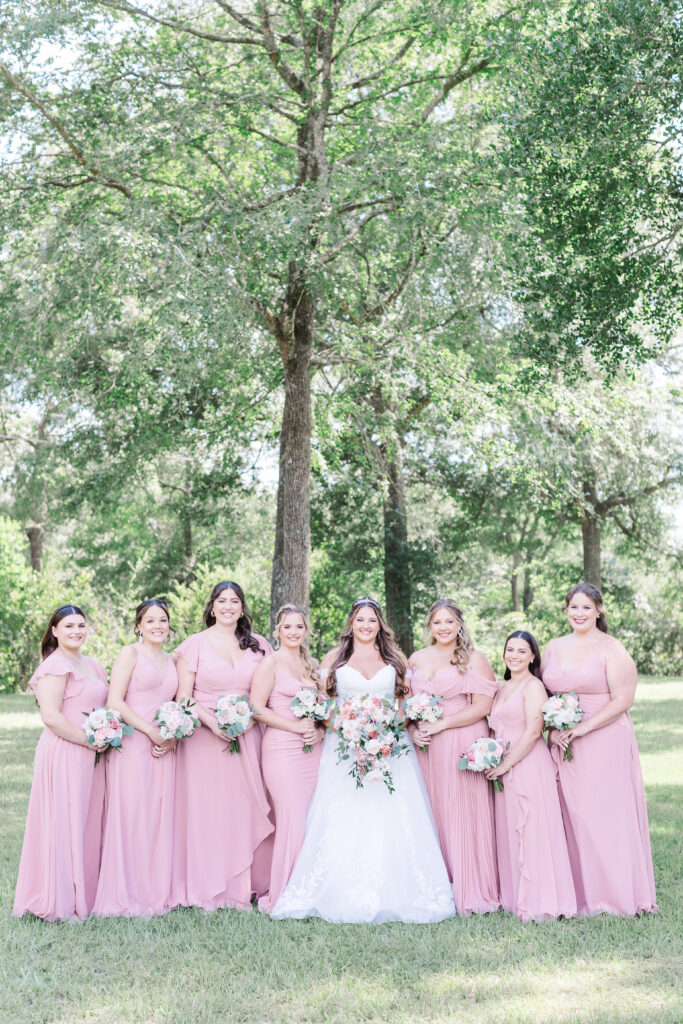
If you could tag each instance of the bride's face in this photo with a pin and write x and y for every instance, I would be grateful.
(365, 626)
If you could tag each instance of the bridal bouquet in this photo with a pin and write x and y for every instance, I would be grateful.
(233, 713)
(370, 733)
(563, 711)
(310, 703)
(176, 719)
(423, 707)
(484, 753)
(103, 729)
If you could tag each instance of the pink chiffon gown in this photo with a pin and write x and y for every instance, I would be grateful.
(61, 852)
(462, 802)
(533, 863)
(603, 801)
(137, 843)
(290, 777)
(221, 808)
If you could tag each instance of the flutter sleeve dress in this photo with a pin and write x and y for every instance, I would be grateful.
(221, 808)
(603, 800)
(60, 856)
(462, 801)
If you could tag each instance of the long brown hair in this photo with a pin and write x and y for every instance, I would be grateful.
(385, 643)
(245, 638)
(535, 663)
(48, 644)
(152, 602)
(464, 645)
(310, 664)
(595, 596)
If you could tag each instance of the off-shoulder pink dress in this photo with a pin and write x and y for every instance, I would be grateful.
(61, 852)
(290, 776)
(462, 802)
(533, 863)
(221, 808)
(603, 800)
(137, 844)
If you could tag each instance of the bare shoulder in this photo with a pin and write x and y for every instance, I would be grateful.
(481, 664)
(329, 658)
(127, 656)
(418, 657)
(614, 653)
(535, 692)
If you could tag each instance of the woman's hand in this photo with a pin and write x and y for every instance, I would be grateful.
(555, 738)
(159, 749)
(495, 773)
(217, 731)
(419, 739)
(314, 736)
(430, 728)
(568, 735)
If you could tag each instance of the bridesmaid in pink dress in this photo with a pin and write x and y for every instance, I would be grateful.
(137, 844)
(289, 774)
(601, 787)
(462, 802)
(61, 851)
(221, 807)
(533, 863)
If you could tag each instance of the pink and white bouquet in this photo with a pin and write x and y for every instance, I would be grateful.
(103, 729)
(563, 711)
(483, 754)
(233, 712)
(423, 707)
(176, 719)
(370, 732)
(310, 703)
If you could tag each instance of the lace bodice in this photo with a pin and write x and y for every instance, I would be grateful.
(352, 683)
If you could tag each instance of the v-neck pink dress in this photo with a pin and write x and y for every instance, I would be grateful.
(221, 807)
(533, 863)
(61, 852)
(603, 800)
(290, 776)
(462, 802)
(137, 843)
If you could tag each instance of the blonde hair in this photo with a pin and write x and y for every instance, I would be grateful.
(464, 645)
(310, 664)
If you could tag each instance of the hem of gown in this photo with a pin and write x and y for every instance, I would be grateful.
(145, 912)
(603, 908)
(538, 918)
(209, 906)
(490, 907)
(381, 917)
(50, 916)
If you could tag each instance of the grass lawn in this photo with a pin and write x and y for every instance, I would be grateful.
(243, 968)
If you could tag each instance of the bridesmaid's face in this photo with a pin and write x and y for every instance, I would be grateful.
(365, 625)
(292, 630)
(444, 627)
(518, 655)
(227, 608)
(582, 614)
(154, 626)
(70, 633)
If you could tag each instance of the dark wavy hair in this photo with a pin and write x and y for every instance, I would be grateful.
(49, 642)
(384, 642)
(530, 639)
(595, 596)
(243, 630)
(152, 602)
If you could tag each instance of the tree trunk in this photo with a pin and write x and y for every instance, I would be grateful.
(591, 529)
(188, 550)
(514, 580)
(528, 595)
(591, 525)
(397, 584)
(291, 559)
(36, 534)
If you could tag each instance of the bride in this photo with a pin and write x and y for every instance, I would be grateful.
(368, 855)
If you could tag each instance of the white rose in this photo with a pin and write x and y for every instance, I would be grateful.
(373, 746)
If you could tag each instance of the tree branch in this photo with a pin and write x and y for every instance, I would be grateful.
(456, 78)
(283, 69)
(178, 26)
(366, 79)
(94, 172)
(342, 243)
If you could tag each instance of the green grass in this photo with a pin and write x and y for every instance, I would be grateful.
(244, 968)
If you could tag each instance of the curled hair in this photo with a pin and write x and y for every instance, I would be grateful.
(310, 664)
(49, 642)
(152, 602)
(245, 638)
(595, 596)
(385, 643)
(530, 639)
(464, 645)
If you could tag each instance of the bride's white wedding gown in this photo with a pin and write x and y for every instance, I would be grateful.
(369, 855)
